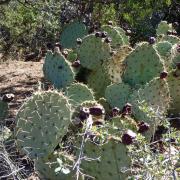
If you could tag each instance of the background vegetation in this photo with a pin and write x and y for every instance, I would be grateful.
(27, 25)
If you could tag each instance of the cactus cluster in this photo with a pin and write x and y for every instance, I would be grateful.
(107, 89)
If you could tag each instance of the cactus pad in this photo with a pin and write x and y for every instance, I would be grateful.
(47, 167)
(163, 28)
(155, 95)
(123, 35)
(142, 65)
(41, 122)
(78, 93)
(57, 70)
(115, 65)
(175, 54)
(93, 51)
(71, 32)
(113, 159)
(171, 39)
(164, 50)
(98, 81)
(117, 94)
(122, 124)
(174, 86)
(114, 35)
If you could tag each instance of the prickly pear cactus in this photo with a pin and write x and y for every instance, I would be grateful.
(93, 51)
(123, 35)
(152, 99)
(98, 80)
(71, 32)
(119, 123)
(142, 65)
(47, 168)
(115, 65)
(171, 39)
(164, 50)
(174, 85)
(3, 110)
(78, 93)
(163, 28)
(58, 70)
(97, 115)
(175, 54)
(41, 122)
(112, 160)
(72, 56)
(116, 37)
(117, 94)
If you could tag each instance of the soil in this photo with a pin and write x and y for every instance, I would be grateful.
(21, 79)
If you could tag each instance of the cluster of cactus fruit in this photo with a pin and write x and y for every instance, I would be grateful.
(106, 93)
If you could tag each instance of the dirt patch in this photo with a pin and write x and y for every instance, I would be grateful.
(21, 79)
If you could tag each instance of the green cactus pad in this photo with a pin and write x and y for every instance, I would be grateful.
(155, 95)
(41, 122)
(123, 35)
(105, 104)
(117, 94)
(93, 51)
(175, 55)
(78, 93)
(122, 124)
(164, 50)
(47, 167)
(163, 28)
(171, 39)
(174, 87)
(113, 159)
(114, 34)
(58, 70)
(72, 56)
(3, 110)
(71, 32)
(142, 65)
(115, 65)
(98, 80)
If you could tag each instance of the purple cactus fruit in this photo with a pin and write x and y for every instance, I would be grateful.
(84, 113)
(128, 137)
(115, 111)
(143, 127)
(127, 109)
(108, 40)
(163, 75)
(8, 97)
(104, 34)
(98, 34)
(76, 64)
(79, 41)
(96, 110)
(152, 40)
